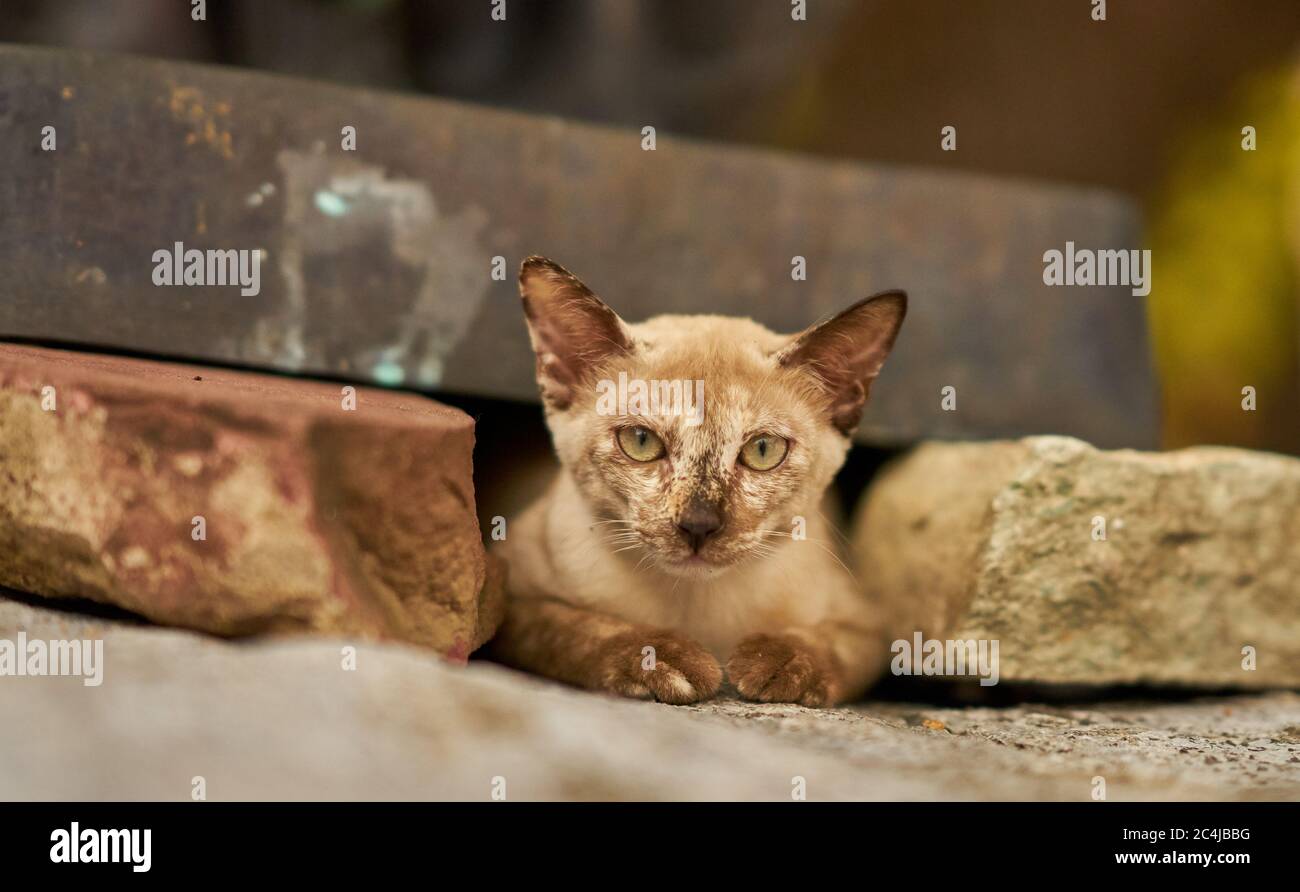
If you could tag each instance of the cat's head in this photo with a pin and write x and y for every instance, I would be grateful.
(697, 440)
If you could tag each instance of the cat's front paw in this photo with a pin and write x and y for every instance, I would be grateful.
(658, 665)
(783, 669)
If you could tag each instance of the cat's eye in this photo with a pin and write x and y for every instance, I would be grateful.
(640, 444)
(764, 452)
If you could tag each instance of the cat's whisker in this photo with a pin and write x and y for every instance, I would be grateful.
(616, 547)
(830, 551)
(676, 582)
(613, 535)
(611, 526)
(783, 534)
(844, 540)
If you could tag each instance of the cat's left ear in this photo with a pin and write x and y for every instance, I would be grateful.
(846, 353)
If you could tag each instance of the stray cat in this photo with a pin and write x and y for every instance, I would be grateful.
(669, 545)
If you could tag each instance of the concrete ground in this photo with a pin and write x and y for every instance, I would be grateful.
(285, 718)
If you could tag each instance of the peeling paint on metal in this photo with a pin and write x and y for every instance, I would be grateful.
(334, 205)
(330, 204)
(388, 373)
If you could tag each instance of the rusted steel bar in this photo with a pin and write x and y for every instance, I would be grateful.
(376, 264)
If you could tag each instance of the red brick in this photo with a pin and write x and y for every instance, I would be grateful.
(358, 523)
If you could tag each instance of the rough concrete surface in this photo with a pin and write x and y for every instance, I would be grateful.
(236, 503)
(1004, 541)
(281, 718)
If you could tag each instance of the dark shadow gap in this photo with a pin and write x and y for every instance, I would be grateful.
(957, 694)
(83, 607)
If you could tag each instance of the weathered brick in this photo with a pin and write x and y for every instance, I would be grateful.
(317, 518)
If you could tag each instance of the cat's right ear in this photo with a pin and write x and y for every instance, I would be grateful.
(572, 330)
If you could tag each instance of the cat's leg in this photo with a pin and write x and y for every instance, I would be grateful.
(818, 665)
(604, 653)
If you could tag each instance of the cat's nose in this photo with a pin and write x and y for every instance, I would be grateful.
(698, 522)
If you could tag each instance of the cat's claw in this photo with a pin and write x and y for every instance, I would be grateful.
(660, 666)
(783, 669)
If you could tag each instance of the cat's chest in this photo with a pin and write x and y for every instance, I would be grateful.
(718, 614)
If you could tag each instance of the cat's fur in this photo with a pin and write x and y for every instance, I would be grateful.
(599, 571)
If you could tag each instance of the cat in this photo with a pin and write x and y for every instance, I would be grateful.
(670, 545)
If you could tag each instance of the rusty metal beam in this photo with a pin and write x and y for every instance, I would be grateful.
(378, 262)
